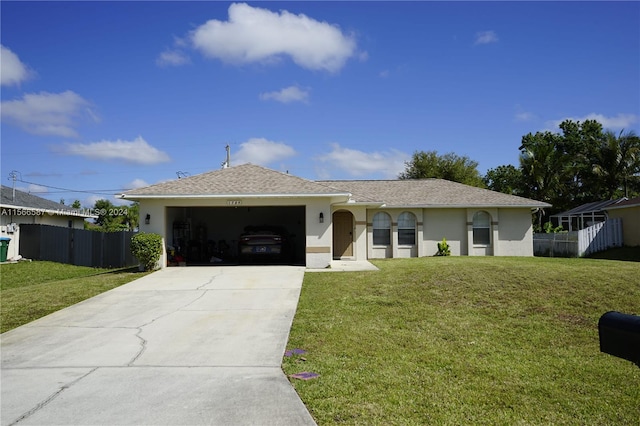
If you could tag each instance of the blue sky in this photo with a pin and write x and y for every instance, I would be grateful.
(107, 96)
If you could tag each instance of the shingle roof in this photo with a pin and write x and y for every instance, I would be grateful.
(252, 180)
(632, 202)
(30, 201)
(429, 193)
(246, 180)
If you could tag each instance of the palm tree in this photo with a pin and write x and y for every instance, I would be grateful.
(542, 166)
(615, 163)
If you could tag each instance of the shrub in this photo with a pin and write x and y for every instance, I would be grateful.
(443, 248)
(147, 248)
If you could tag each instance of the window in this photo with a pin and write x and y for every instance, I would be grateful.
(381, 229)
(482, 229)
(406, 229)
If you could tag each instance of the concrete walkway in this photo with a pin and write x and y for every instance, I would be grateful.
(182, 346)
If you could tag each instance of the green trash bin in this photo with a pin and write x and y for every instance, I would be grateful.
(4, 248)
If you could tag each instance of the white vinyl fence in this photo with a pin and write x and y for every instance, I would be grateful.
(593, 239)
(600, 237)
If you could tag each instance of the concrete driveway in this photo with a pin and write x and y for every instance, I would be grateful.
(182, 346)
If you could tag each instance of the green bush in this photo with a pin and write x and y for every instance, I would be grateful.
(147, 248)
(443, 248)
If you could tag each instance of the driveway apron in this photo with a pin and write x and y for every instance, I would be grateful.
(181, 346)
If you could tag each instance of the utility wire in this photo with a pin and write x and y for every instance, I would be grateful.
(97, 191)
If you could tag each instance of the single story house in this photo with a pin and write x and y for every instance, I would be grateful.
(629, 212)
(20, 208)
(345, 219)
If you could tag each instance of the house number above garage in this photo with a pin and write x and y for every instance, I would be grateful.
(234, 202)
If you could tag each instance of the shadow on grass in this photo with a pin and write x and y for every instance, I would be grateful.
(627, 254)
(127, 270)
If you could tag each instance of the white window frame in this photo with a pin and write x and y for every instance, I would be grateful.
(386, 226)
(402, 226)
(484, 226)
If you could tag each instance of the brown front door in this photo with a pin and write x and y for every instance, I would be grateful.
(342, 234)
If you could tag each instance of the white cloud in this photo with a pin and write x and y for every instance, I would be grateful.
(287, 95)
(525, 116)
(262, 152)
(522, 115)
(258, 35)
(44, 113)
(137, 151)
(135, 184)
(172, 57)
(388, 164)
(12, 70)
(620, 121)
(486, 37)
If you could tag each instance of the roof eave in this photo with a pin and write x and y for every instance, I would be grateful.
(625, 206)
(225, 196)
(468, 206)
(360, 203)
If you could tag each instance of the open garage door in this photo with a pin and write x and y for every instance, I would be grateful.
(233, 235)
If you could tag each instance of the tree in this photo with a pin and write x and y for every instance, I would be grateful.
(541, 164)
(507, 179)
(76, 205)
(615, 164)
(132, 217)
(110, 217)
(449, 166)
(577, 144)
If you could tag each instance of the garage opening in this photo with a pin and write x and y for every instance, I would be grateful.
(236, 235)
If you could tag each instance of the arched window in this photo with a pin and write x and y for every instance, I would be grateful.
(407, 229)
(381, 229)
(482, 229)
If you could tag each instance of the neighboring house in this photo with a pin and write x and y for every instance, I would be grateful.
(19, 208)
(584, 216)
(328, 220)
(629, 212)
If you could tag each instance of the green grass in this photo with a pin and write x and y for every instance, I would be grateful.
(464, 340)
(31, 290)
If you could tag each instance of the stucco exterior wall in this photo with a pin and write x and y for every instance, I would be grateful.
(359, 230)
(317, 236)
(511, 230)
(445, 223)
(515, 233)
(394, 249)
(630, 224)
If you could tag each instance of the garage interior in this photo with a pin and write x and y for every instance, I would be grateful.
(210, 235)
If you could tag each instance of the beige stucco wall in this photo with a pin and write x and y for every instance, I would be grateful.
(359, 230)
(318, 236)
(630, 224)
(511, 232)
(394, 250)
(445, 223)
(515, 233)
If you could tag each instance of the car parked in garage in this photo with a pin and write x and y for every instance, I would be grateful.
(264, 243)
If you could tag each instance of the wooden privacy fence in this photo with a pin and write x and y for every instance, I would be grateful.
(79, 247)
(593, 239)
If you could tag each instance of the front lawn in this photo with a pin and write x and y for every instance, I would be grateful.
(465, 340)
(30, 290)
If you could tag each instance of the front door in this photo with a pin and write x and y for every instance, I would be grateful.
(342, 234)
